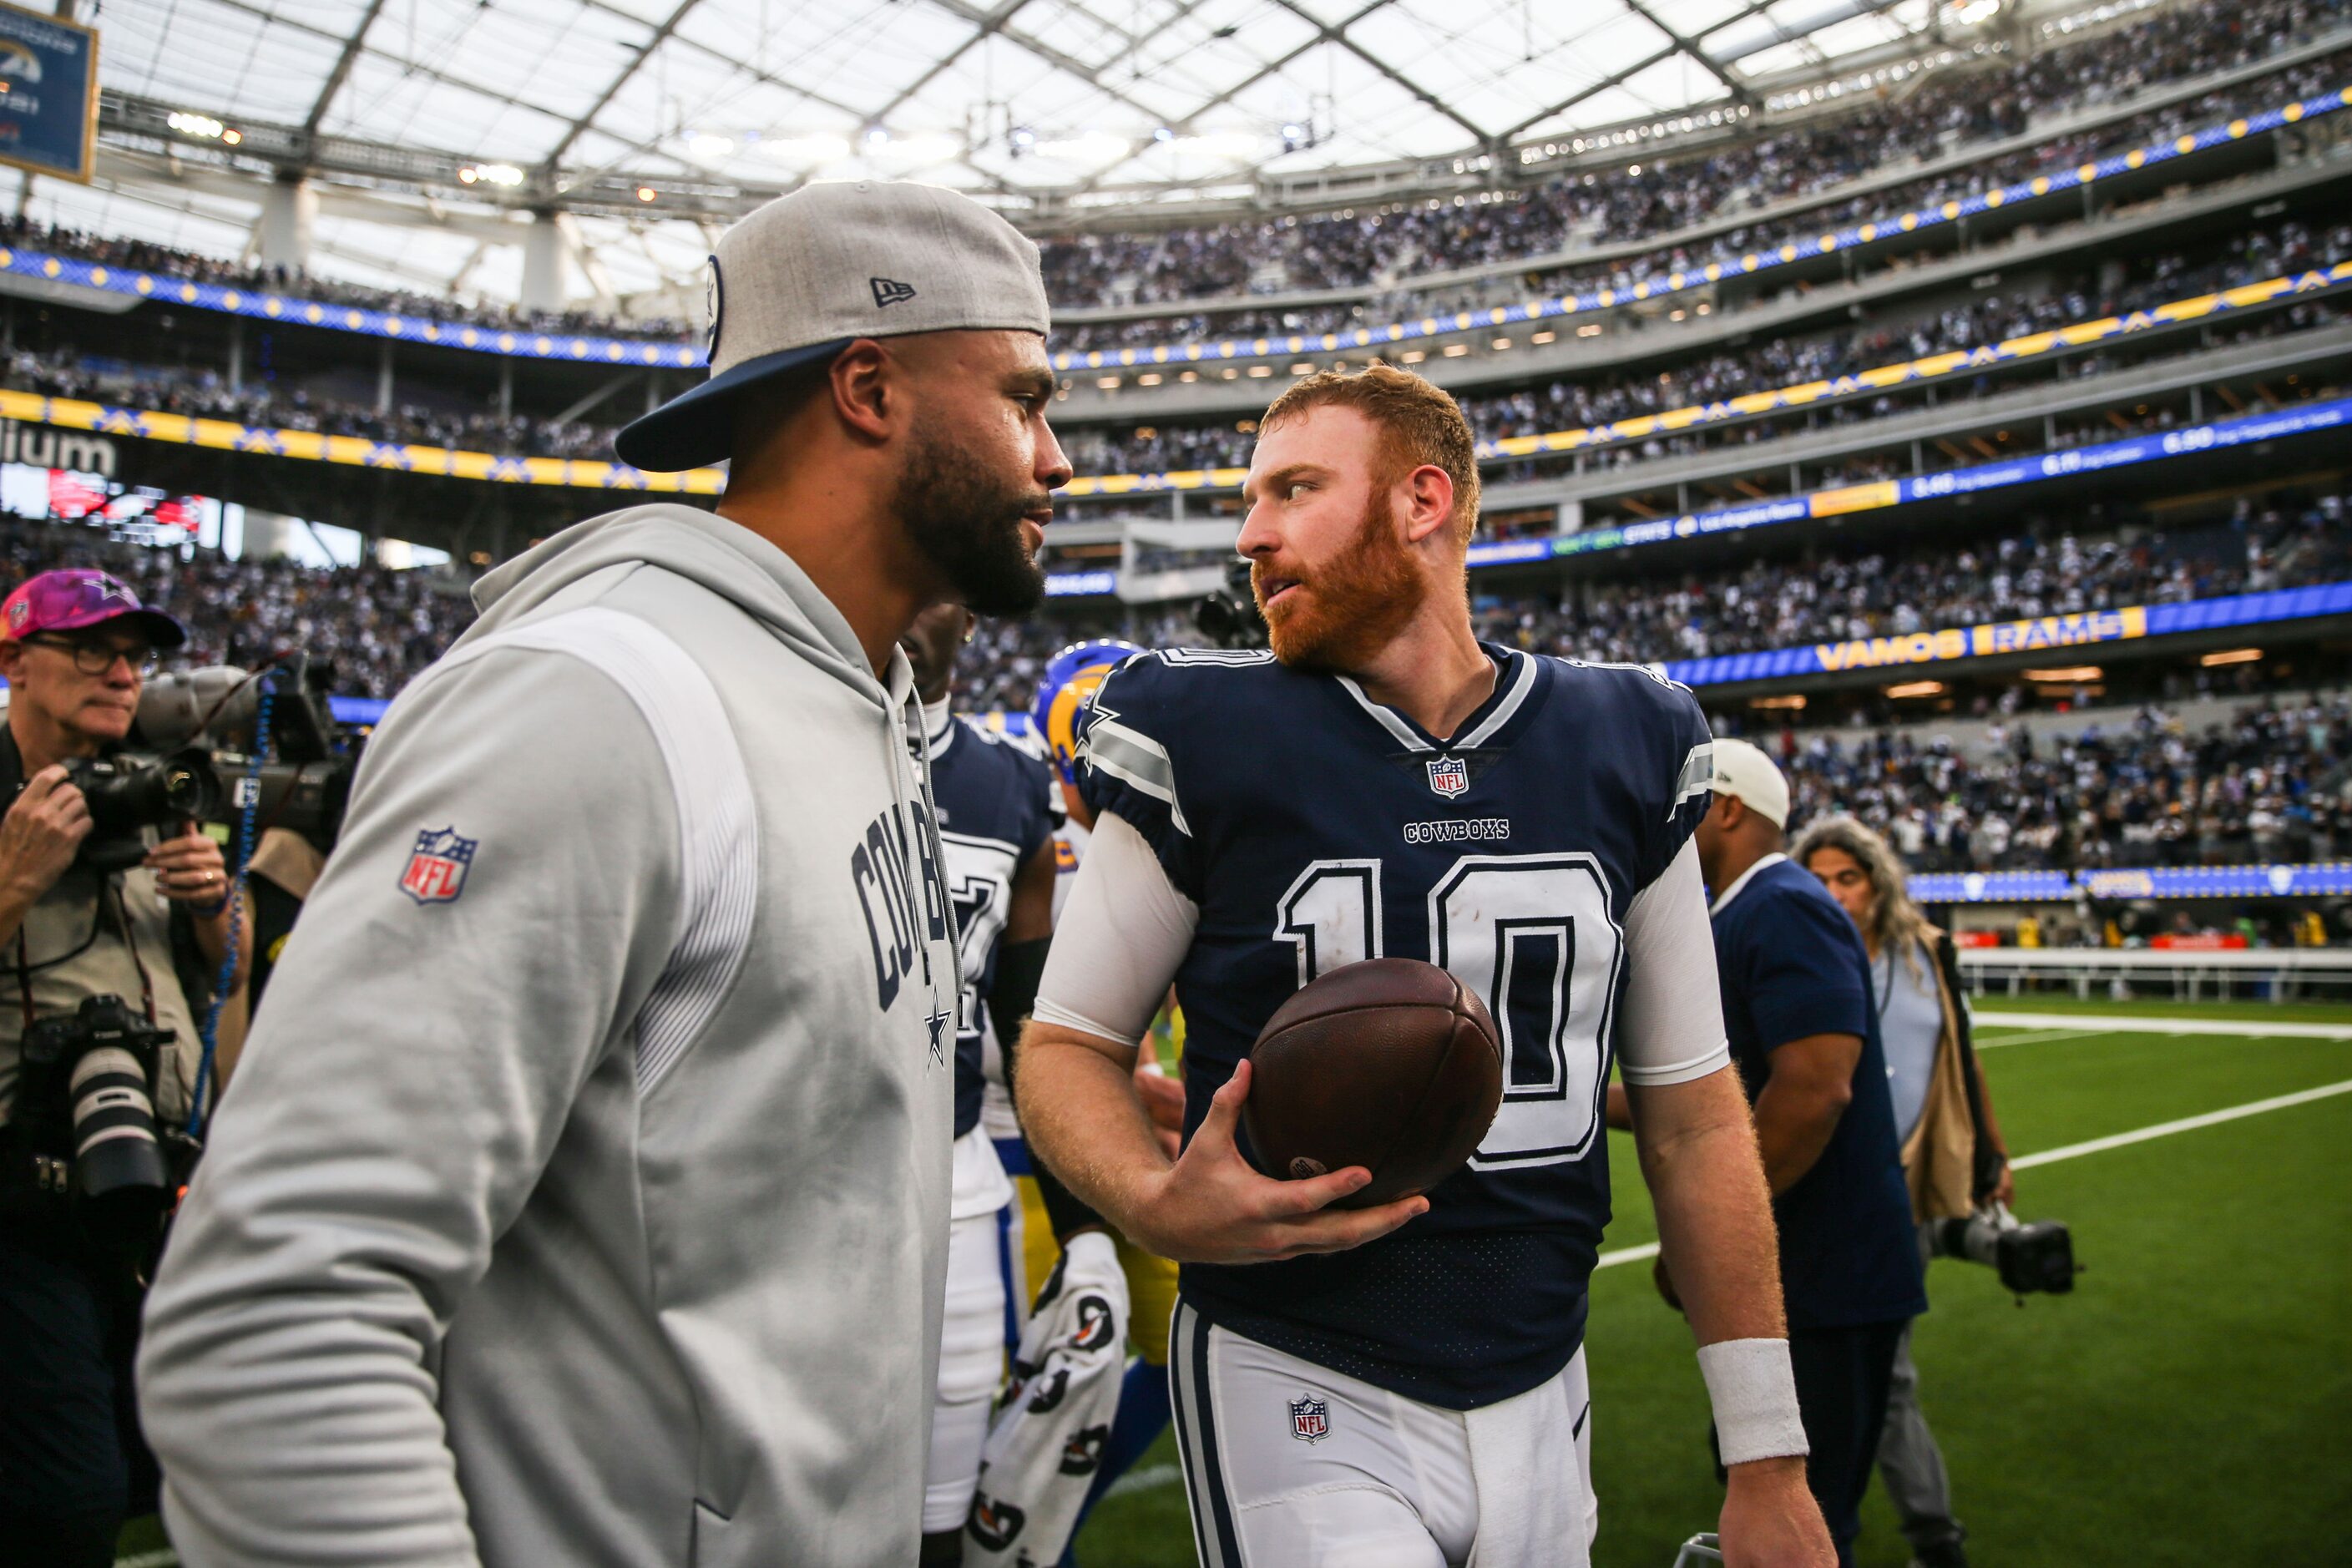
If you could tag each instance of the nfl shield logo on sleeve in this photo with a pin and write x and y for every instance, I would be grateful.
(1310, 1420)
(1449, 776)
(437, 868)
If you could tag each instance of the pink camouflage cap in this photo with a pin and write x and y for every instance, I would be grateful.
(70, 600)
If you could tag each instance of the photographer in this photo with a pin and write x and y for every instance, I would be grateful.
(75, 647)
(1953, 1155)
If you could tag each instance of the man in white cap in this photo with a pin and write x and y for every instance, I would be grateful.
(584, 1196)
(1805, 1033)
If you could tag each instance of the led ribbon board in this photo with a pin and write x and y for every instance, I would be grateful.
(2040, 633)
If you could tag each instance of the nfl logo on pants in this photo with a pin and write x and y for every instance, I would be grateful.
(1310, 1420)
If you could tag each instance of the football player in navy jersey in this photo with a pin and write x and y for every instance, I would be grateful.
(1404, 1385)
(997, 842)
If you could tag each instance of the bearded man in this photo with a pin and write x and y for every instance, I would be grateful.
(583, 1193)
(1405, 1384)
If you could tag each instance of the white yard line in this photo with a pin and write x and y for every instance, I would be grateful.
(2127, 1023)
(2186, 1124)
(2095, 1146)
(1151, 1477)
(2035, 1037)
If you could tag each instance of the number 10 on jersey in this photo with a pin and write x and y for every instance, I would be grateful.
(1531, 936)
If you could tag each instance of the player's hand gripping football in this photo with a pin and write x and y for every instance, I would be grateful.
(1211, 1206)
(1771, 1521)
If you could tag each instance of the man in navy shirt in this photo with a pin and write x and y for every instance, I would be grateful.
(1796, 1007)
(1406, 1383)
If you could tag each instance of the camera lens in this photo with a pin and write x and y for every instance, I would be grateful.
(115, 1151)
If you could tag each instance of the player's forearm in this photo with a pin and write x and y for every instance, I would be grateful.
(1715, 1215)
(1079, 1112)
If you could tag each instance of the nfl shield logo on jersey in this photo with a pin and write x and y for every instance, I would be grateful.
(1310, 1420)
(436, 869)
(1449, 776)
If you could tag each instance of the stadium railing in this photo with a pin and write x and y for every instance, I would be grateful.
(2277, 974)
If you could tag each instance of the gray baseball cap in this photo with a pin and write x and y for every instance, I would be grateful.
(800, 280)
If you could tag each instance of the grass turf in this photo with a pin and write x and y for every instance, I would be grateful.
(2185, 1405)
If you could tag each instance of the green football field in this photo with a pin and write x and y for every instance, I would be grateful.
(2190, 1403)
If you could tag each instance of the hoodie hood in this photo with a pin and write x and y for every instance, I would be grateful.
(727, 558)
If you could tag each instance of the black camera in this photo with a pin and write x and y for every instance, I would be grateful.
(2028, 1258)
(127, 794)
(85, 1108)
(1230, 617)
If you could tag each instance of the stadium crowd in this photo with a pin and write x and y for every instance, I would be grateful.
(2272, 785)
(1949, 112)
(1384, 249)
(425, 417)
(373, 629)
(1568, 405)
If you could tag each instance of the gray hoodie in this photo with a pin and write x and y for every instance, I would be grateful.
(581, 1197)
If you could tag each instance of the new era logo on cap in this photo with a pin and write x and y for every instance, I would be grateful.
(888, 291)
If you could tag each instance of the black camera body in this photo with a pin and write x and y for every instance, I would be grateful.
(85, 1108)
(304, 789)
(1230, 617)
(2038, 1256)
(128, 793)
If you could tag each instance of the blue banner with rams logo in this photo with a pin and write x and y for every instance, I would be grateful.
(49, 94)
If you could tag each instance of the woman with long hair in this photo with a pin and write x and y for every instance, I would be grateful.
(1953, 1155)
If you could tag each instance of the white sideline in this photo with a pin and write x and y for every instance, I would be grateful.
(2125, 1023)
(2095, 1146)
(1153, 1477)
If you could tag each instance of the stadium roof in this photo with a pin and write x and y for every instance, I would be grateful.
(1094, 101)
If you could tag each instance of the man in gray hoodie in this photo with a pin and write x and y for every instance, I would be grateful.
(584, 1196)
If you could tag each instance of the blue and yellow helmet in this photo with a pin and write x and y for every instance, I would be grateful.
(1063, 691)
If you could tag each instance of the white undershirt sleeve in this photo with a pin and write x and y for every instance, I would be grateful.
(1673, 1026)
(1119, 941)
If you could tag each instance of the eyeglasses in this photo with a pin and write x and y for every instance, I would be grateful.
(95, 657)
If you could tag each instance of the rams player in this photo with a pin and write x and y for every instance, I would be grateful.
(1404, 1385)
(1094, 1421)
(996, 842)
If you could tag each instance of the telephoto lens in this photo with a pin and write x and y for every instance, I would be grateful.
(117, 1160)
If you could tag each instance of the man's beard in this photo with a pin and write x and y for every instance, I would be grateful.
(969, 528)
(1351, 608)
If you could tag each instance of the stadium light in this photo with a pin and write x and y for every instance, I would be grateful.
(646, 193)
(490, 174)
(816, 148)
(202, 127)
(2073, 674)
(710, 148)
(2231, 656)
(1918, 689)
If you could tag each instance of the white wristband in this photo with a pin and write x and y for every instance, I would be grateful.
(1754, 1392)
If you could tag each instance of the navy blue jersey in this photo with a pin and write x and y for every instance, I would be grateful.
(992, 799)
(1314, 827)
(1792, 965)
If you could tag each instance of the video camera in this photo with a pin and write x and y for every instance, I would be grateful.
(2029, 1257)
(213, 717)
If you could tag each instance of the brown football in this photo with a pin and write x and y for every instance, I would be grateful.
(1388, 1064)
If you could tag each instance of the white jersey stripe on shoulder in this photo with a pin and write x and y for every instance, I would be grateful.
(717, 831)
(1656, 672)
(1234, 656)
(1132, 755)
(1695, 778)
(1523, 681)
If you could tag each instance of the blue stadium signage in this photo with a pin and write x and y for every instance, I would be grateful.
(2039, 635)
(2321, 880)
(49, 94)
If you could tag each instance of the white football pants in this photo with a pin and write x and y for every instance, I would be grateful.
(971, 1335)
(1292, 1465)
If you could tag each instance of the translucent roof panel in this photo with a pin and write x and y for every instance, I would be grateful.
(1095, 100)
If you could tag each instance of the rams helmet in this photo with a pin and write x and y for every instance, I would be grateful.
(1063, 691)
